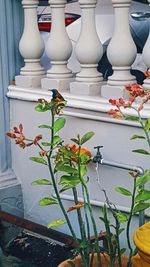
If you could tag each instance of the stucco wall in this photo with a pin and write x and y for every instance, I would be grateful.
(117, 147)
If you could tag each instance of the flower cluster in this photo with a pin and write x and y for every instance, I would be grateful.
(134, 90)
(20, 139)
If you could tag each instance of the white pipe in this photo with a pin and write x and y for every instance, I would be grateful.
(97, 203)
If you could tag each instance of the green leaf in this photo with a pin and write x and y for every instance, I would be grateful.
(59, 124)
(38, 160)
(122, 217)
(140, 207)
(143, 179)
(47, 201)
(147, 124)
(67, 187)
(76, 141)
(44, 126)
(42, 182)
(69, 180)
(56, 140)
(143, 196)
(123, 191)
(55, 223)
(131, 118)
(67, 169)
(83, 170)
(42, 108)
(86, 137)
(45, 144)
(141, 151)
(135, 136)
(84, 158)
(122, 251)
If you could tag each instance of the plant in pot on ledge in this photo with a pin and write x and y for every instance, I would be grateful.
(70, 162)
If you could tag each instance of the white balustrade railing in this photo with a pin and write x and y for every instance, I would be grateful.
(89, 51)
(146, 59)
(31, 47)
(121, 51)
(58, 49)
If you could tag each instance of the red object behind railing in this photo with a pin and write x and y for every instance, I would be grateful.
(45, 23)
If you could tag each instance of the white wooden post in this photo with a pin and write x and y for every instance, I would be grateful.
(146, 59)
(58, 49)
(121, 51)
(31, 47)
(89, 51)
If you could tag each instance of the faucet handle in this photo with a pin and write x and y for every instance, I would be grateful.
(98, 148)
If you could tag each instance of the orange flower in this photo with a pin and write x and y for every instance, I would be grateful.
(136, 90)
(43, 153)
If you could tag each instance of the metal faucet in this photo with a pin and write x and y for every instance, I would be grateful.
(98, 157)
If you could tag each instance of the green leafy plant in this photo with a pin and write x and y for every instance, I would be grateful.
(69, 162)
(139, 196)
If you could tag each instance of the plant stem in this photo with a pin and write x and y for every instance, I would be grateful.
(128, 224)
(81, 226)
(60, 202)
(90, 209)
(53, 179)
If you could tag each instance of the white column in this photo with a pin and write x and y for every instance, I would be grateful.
(58, 49)
(146, 59)
(89, 51)
(121, 51)
(31, 47)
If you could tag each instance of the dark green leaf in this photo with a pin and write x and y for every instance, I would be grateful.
(55, 223)
(147, 124)
(45, 144)
(76, 141)
(38, 160)
(135, 136)
(47, 201)
(141, 151)
(44, 126)
(56, 140)
(143, 196)
(42, 182)
(59, 124)
(123, 191)
(67, 187)
(86, 137)
(140, 207)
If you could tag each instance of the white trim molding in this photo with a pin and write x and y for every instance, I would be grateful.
(94, 108)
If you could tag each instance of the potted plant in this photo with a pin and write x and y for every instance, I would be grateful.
(70, 161)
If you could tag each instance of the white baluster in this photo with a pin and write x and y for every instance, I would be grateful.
(89, 51)
(146, 59)
(31, 47)
(58, 49)
(121, 51)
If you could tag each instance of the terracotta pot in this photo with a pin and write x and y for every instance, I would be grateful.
(104, 259)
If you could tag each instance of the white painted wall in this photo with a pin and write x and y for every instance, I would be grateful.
(117, 147)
